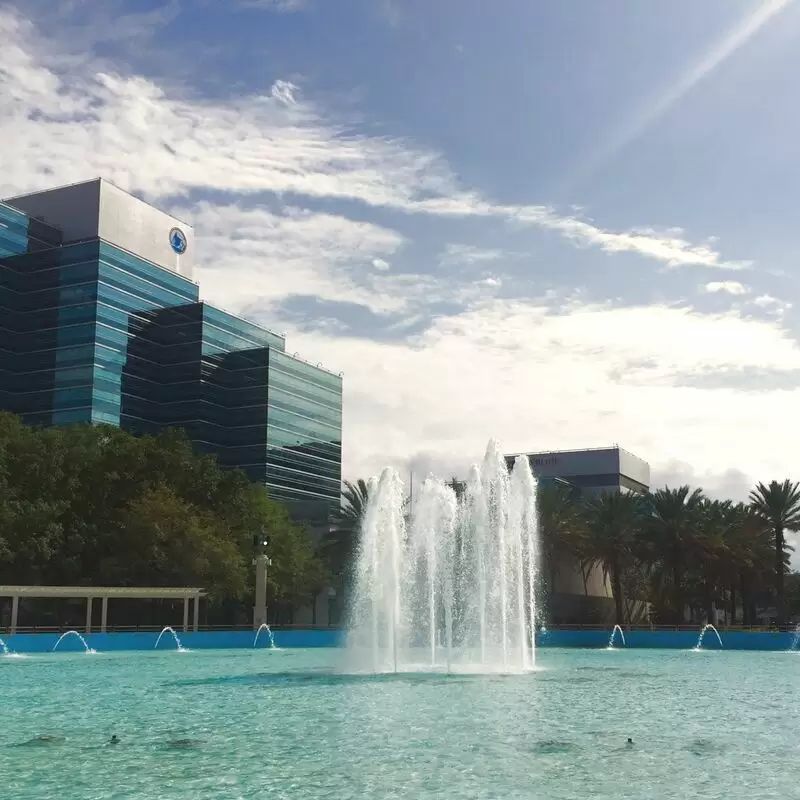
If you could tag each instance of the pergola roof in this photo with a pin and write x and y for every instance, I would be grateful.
(136, 592)
(104, 594)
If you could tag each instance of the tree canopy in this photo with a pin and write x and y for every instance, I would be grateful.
(94, 505)
(677, 548)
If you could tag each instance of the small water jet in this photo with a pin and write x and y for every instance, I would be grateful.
(450, 586)
(4, 648)
(80, 638)
(614, 632)
(706, 628)
(265, 627)
(795, 640)
(178, 646)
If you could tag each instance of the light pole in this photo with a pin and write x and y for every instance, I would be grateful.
(261, 562)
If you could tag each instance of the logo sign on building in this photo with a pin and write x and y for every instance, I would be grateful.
(177, 241)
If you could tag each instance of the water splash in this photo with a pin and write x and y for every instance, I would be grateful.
(448, 584)
(614, 633)
(706, 628)
(795, 640)
(178, 646)
(265, 627)
(4, 648)
(80, 638)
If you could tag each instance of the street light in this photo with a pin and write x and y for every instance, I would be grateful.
(261, 562)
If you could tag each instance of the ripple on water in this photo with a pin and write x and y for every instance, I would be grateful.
(705, 747)
(547, 747)
(326, 678)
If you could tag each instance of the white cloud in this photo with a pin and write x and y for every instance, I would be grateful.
(469, 254)
(765, 300)
(585, 378)
(63, 126)
(728, 287)
(278, 6)
(254, 257)
(772, 305)
(380, 264)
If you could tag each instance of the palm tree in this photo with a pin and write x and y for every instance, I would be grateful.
(717, 520)
(779, 505)
(613, 521)
(747, 552)
(561, 529)
(672, 526)
(340, 544)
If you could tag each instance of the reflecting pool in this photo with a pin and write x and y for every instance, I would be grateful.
(287, 724)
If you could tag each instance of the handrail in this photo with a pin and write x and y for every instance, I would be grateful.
(178, 625)
(298, 627)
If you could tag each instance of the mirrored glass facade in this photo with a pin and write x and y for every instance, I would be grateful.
(90, 332)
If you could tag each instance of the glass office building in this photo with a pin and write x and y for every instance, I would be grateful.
(100, 322)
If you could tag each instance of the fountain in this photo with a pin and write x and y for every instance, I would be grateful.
(178, 646)
(795, 640)
(4, 648)
(450, 585)
(614, 632)
(709, 627)
(63, 636)
(265, 627)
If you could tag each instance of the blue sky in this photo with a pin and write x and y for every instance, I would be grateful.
(559, 224)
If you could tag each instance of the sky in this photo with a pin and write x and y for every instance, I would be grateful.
(560, 225)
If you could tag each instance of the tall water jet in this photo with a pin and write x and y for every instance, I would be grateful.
(449, 582)
(261, 628)
(178, 646)
(523, 517)
(706, 628)
(614, 632)
(86, 648)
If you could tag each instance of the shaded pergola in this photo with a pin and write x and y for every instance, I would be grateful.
(104, 594)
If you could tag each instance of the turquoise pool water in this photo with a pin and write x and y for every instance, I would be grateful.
(283, 724)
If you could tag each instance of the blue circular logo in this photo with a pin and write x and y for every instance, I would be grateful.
(177, 241)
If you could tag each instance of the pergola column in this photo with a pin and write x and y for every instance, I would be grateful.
(186, 613)
(89, 615)
(14, 613)
(104, 614)
(196, 622)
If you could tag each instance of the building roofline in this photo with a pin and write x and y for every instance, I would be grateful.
(16, 210)
(575, 450)
(243, 319)
(99, 179)
(51, 189)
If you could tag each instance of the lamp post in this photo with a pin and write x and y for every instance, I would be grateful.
(261, 562)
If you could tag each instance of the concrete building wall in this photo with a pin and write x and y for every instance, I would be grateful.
(75, 209)
(605, 469)
(635, 468)
(98, 209)
(561, 464)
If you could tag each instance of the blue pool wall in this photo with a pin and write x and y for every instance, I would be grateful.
(668, 640)
(202, 640)
(329, 637)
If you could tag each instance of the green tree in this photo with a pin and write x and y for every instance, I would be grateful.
(95, 505)
(672, 526)
(779, 505)
(562, 531)
(341, 543)
(746, 558)
(613, 521)
(167, 541)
